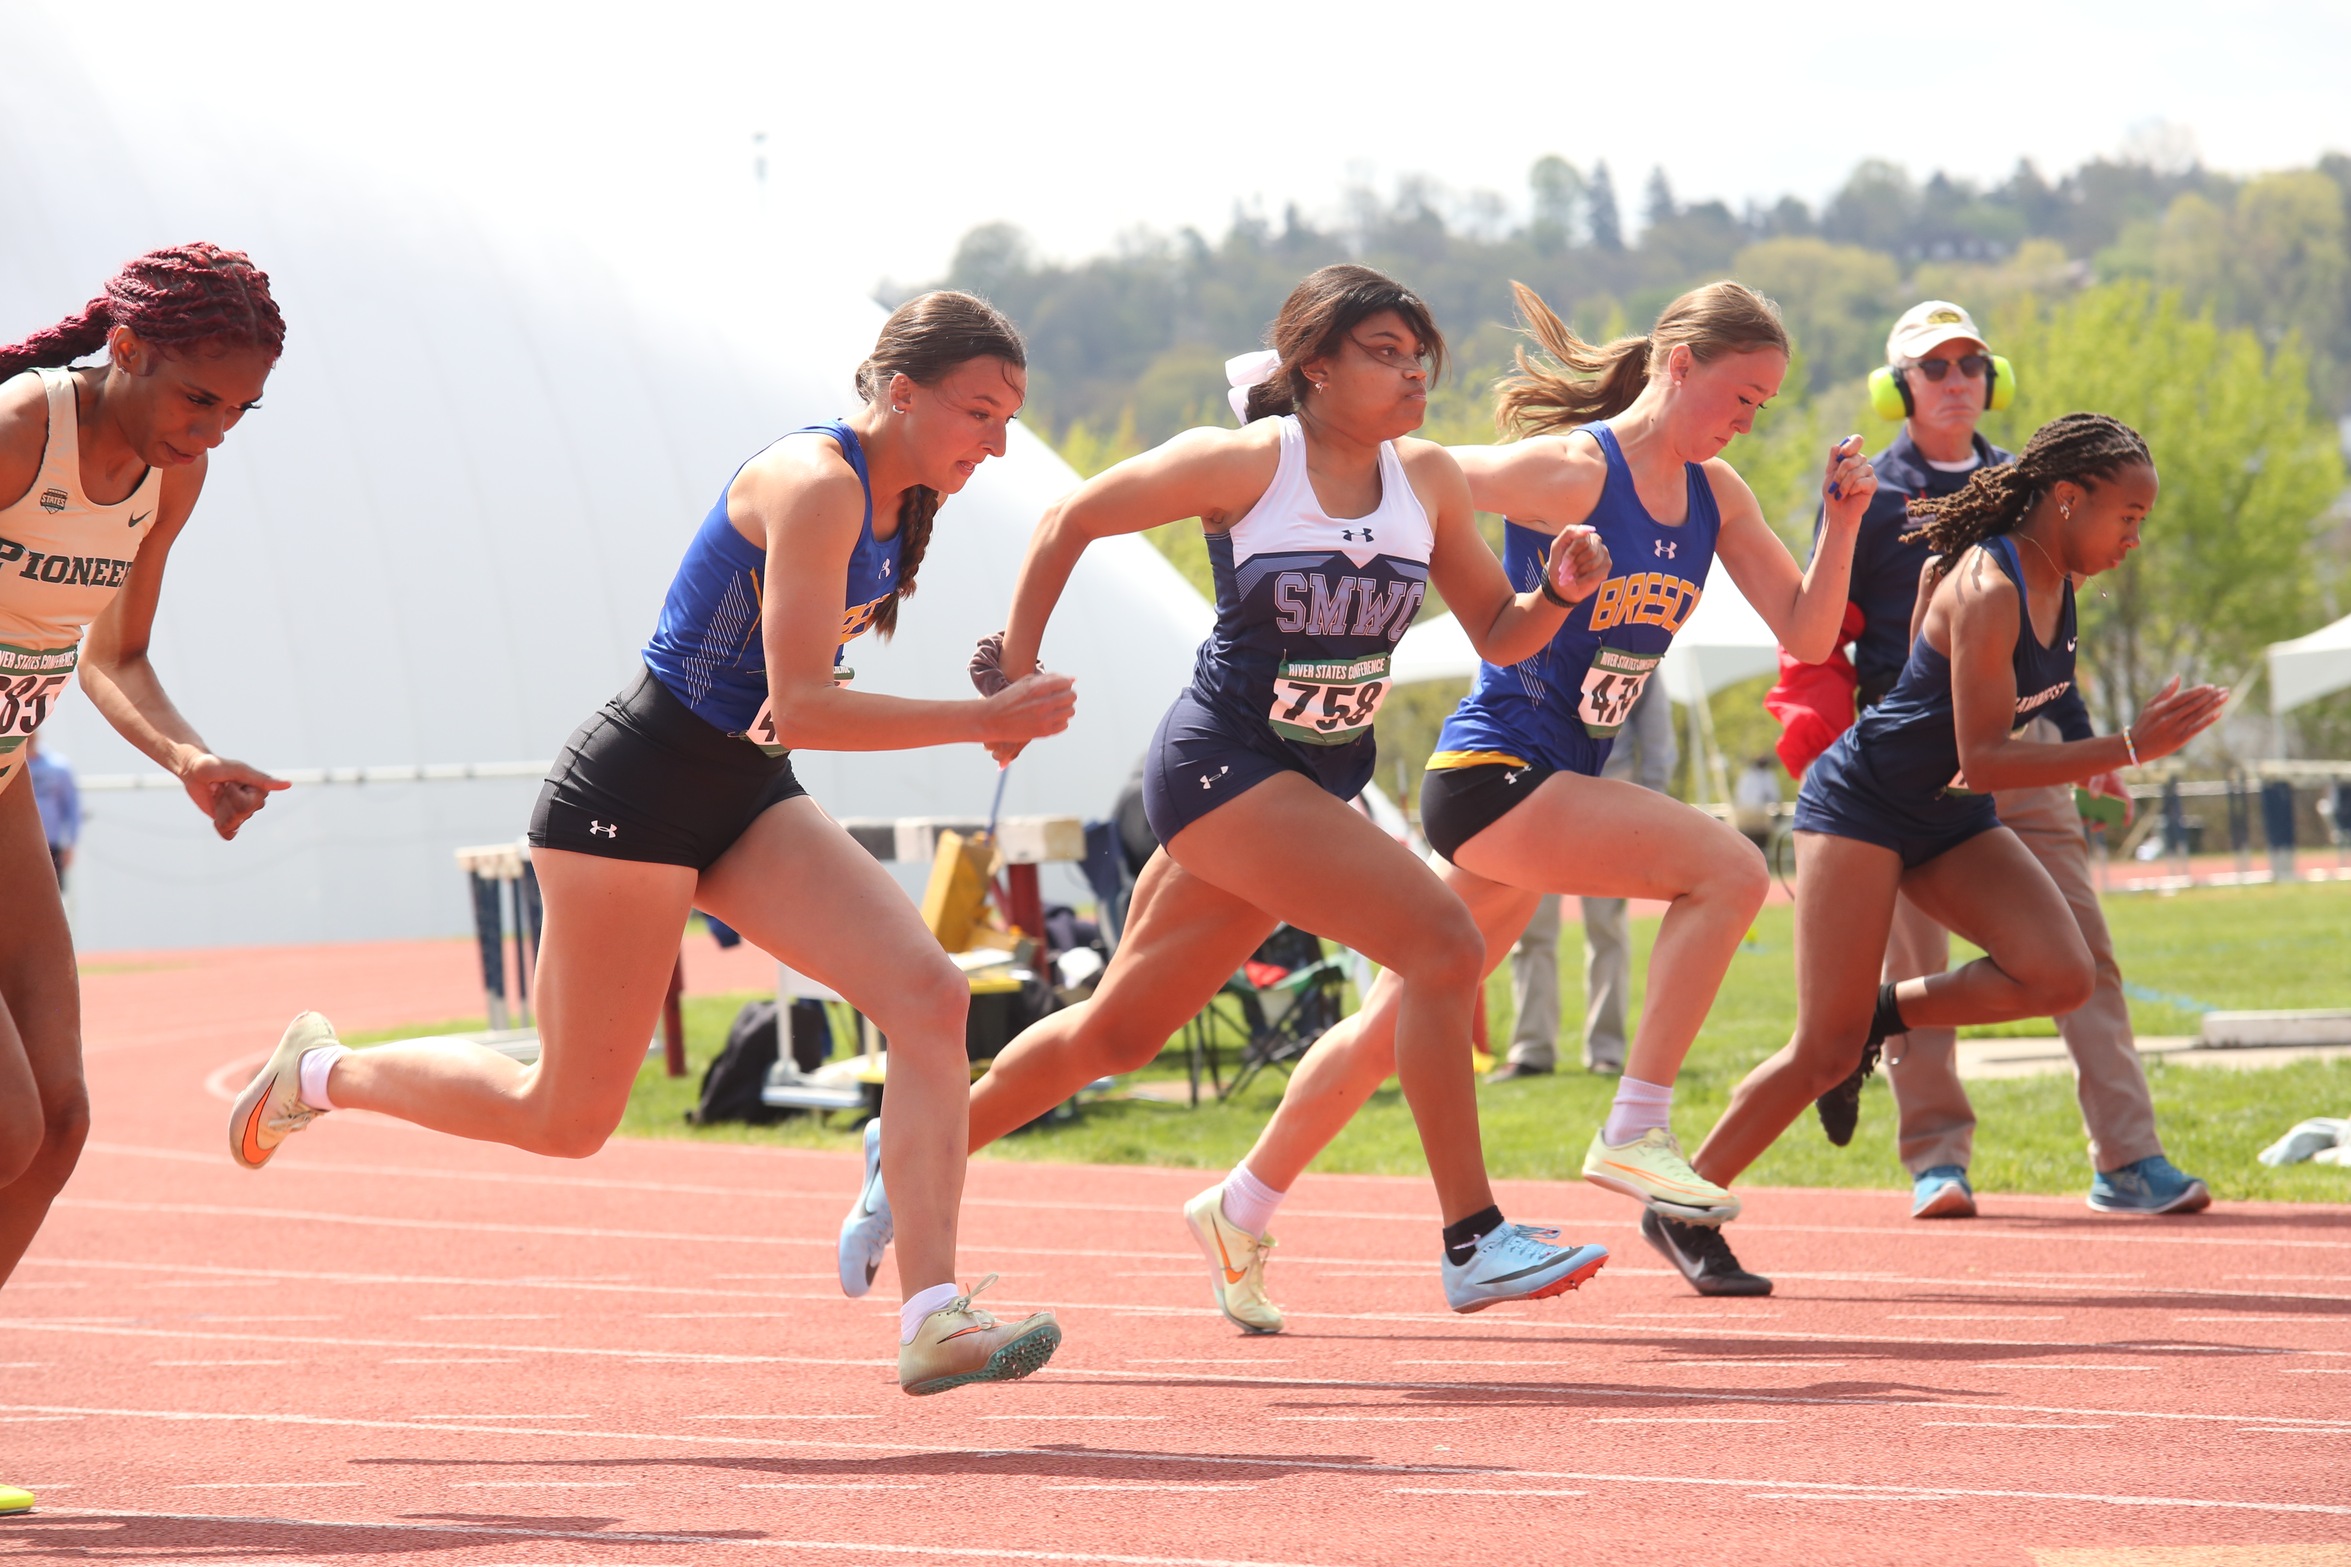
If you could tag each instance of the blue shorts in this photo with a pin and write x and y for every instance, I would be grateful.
(1841, 805)
(1202, 757)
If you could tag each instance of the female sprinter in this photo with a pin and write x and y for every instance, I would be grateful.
(1625, 439)
(1325, 527)
(1902, 800)
(679, 794)
(190, 335)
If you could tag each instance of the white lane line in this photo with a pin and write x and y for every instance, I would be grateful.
(828, 1485)
(485, 1316)
(540, 1485)
(1973, 1316)
(214, 1316)
(1138, 1486)
(1099, 1455)
(2123, 1235)
(635, 1537)
(1686, 1420)
(2016, 1425)
(1882, 1496)
(780, 1417)
(497, 1417)
(1744, 1365)
(34, 1420)
(1474, 1490)
(1074, 1417)
(796, 1278)
(219, 1362)
(269, 1485)
(2034, 1365)
(2313, 1319)
(1689, 1316)
(1369, 1420)
(2316, 1371)
(451, 1360)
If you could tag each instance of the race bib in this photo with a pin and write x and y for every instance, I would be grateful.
(762, 732)
(31, 682)
(1328, 701)
(1611, 686)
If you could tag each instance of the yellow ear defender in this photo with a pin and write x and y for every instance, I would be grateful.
(1889, 394)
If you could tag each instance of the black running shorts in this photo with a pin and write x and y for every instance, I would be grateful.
(1458, 803)
(645, 779)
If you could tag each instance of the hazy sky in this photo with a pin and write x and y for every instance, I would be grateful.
(892, 128)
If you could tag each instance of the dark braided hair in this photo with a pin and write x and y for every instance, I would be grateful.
(925, 338)
(2079, 447)
(174, 298)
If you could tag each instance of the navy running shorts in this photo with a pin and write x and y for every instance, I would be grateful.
(1201, 757)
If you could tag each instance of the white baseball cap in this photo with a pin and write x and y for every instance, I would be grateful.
(1925, 327)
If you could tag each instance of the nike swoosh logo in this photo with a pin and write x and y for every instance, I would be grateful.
(1652, 1177)
(139, 517)
(961, 1332)
(1505, 1278)
(254, 1152)
(1230, 1276)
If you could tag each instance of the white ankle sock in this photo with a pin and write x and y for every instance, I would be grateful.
(920, 1305)
(1638, 1107)
(316, 1064)
(1248, 1202)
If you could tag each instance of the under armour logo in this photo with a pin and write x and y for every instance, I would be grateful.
(138, 517)
(2069, 642)
(1207, 782)
(1514, 776)
(603, 829)
(1349, 535)
(1666, 547)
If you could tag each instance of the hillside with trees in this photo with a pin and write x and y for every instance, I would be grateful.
(2211, 310)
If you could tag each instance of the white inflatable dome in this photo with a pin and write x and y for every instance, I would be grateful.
(446, 533)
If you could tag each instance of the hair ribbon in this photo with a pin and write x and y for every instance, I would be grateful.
(1244, 371)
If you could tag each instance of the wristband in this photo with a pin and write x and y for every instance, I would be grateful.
(2129, 747)
(1552, 593)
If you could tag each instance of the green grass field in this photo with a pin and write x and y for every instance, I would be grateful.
(2233, 947)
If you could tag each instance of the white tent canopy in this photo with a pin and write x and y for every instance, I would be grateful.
(445, 536)
(1724, 642)
(2310, 667)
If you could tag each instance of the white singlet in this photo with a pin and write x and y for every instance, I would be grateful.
(62, 559)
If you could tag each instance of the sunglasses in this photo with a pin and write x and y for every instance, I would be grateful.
(1972, 367)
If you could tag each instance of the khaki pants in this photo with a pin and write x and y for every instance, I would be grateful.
(1938, 1124)
(1534, 988)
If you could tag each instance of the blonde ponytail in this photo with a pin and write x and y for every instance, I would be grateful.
(1582, 384)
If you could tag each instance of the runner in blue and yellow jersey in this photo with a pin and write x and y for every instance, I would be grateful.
(1624, 439)
(679, 794)
(1325, 526)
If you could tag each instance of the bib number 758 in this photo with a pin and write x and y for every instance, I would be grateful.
(1328, 701)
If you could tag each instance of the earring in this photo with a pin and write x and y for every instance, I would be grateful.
(2065, 513)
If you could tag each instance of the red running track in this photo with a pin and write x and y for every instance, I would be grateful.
(394, 1345)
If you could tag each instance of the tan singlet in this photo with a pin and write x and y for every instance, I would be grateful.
(62, 559)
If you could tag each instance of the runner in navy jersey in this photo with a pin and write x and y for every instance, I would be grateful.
(679, 794)
(1902, 800)
(1624, 438)
(1325, 527)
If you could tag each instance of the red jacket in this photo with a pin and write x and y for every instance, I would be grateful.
(1814, 702)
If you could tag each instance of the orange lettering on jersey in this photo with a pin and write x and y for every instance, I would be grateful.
(1691, 593)
(1608, 604)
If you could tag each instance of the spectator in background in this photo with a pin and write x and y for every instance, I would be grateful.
(60, 803)
(1753, 798)
(1645, 753)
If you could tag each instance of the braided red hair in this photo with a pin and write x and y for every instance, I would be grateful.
(174, 298)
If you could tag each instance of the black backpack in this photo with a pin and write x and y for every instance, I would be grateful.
(730, 1088)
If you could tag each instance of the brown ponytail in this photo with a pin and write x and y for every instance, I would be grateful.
(924, 339)
(1327, 304)
(1583, 384)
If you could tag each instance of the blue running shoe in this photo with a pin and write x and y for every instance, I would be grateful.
(1942, 1193)
(1518, 1262)
(866, 1232)
(2150, 1185)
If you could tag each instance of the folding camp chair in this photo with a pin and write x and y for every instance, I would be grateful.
(1279, 1003)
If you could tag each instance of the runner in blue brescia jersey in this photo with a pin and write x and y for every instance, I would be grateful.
(1902, 803)
(1326, 527)
(1627, 439)
(679, 794)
